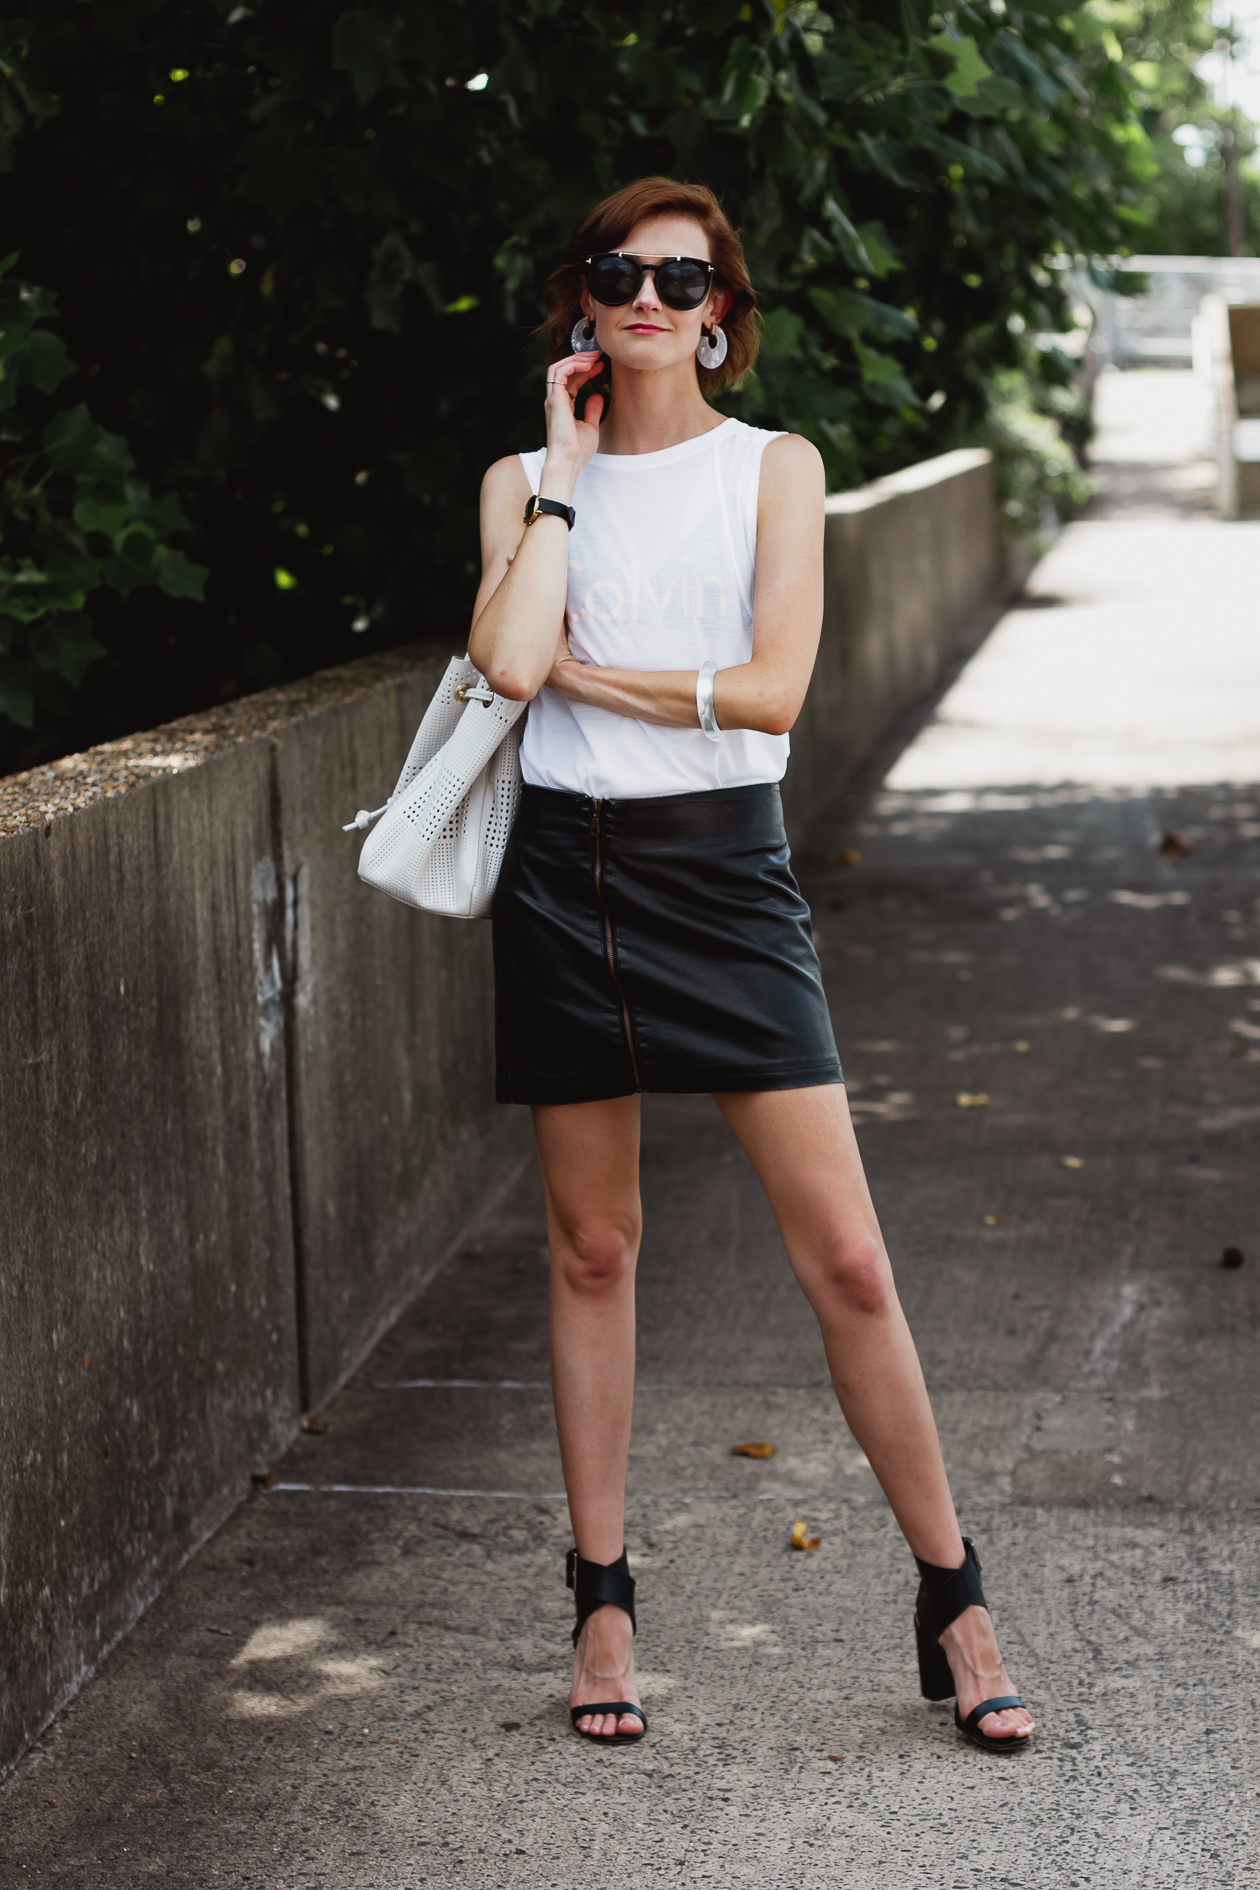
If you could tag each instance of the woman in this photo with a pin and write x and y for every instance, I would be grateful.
(660, 610)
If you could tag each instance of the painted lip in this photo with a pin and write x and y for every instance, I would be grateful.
(644, 328)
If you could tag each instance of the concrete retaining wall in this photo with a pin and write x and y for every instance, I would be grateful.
(1227, 362)
(148, 1355)
(915, 565)
(248, 1105)
(395, 1133)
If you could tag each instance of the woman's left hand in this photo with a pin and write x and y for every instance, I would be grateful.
(563, 663)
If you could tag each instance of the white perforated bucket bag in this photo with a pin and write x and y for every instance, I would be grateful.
(444, 829)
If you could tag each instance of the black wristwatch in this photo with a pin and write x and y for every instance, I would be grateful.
(537, 507)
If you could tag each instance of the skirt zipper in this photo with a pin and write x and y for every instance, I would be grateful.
(609, 954)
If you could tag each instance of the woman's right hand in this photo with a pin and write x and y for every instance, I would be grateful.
(521, 603)
(572, 442)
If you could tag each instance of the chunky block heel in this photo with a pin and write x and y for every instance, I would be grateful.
(602, 1585)
(944, 1594)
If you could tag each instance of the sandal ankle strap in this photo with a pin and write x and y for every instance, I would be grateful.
(599, 1585)
(945, 1593)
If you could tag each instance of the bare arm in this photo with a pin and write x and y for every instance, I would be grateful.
(765, 693)
(519, 613)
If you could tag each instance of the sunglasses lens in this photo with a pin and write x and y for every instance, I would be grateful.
(614, 280)
(682, 284)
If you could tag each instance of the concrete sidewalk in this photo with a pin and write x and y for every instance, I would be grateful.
(359, 1683)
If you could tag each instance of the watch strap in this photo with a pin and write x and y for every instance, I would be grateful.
(538, 508)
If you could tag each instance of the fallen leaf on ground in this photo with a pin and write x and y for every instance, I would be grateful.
(1172, 1578)
(1021, 1045)
(1232, 1257)
(1071, 1161)
(801, 1538)
(837, 1758)
(966, 1100)
(753, 1450)
(995, 1220)
(313, 1424)
(1174, 847)
(847, 856)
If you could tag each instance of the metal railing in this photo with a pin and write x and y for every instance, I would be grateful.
(1154, 329)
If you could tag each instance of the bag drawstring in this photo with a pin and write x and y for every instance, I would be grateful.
(364, 819)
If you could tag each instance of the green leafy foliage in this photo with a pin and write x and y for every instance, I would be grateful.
(1160, 44)
(304, 275)
(74, 518)
(1186, 201)
(1029, 431)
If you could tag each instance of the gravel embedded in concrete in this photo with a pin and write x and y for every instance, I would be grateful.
(62, 787)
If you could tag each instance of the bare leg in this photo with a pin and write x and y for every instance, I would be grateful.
(802, 1145)
(589, 1157)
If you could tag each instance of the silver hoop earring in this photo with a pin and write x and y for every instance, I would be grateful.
(583, 337)
(711, 349)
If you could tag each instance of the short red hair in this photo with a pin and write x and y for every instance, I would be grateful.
(607, 227)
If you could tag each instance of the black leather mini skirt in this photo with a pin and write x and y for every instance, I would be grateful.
(654, 945)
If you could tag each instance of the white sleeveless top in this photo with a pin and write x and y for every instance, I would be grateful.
(662, 562)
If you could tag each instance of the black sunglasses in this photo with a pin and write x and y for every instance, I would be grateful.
(615, 279)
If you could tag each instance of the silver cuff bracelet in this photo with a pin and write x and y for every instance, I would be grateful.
(704, 701)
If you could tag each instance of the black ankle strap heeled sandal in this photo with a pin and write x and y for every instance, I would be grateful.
(944, 1594)
(602, 1585)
